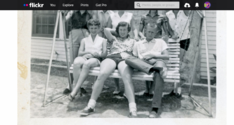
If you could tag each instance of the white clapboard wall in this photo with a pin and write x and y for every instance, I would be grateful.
(211, 37)
(41, 49)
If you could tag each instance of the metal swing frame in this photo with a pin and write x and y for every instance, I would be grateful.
(60, 17)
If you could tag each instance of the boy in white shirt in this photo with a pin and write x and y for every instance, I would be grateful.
(151, 53)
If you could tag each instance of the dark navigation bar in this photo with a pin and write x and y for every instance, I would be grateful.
(116, 4)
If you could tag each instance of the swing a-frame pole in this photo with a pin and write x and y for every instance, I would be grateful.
(62, 19)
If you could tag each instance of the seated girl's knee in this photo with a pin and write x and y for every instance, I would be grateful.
(87, 65)
(78, 64)
(78, 61)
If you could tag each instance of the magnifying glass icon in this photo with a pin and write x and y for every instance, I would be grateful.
(138, 4)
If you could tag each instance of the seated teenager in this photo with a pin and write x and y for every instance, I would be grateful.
(152, 17)
(92, 49)
(150, 53)
(113, 21)
(78, 19)
(120, 50)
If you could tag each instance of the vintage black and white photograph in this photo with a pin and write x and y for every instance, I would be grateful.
(123, 64)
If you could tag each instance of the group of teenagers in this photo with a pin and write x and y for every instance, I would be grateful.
(143, 48)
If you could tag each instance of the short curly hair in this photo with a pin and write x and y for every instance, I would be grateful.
(93, 22)
(123, 24)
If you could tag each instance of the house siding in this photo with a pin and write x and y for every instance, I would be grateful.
(211, 37)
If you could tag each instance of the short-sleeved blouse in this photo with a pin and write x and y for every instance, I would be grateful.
(119, 46)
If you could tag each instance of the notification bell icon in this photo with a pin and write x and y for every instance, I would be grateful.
(196, 5)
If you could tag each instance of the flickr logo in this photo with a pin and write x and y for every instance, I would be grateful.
(34, 5)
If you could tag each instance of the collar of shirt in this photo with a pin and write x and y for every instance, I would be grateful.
(172, 14)
(145, 41)
(90, 38)
(121, 39)
(117, 14)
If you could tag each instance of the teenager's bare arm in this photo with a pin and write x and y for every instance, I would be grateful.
(109, 36)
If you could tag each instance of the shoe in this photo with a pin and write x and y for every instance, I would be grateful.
(66, 91)
(170, 94)
(133, 114)
(70, 97)
(87, 111)
(82, 91)
(153, 114)
(116, 92)
(146, 94)
(179, 96)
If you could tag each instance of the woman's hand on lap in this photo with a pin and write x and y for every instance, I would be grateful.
(95, 54)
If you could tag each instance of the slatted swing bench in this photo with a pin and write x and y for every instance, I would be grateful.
(173, 66)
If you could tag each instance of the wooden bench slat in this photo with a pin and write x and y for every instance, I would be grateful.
(174, 53)
(178, 59)
(173, 64)
(171, 80)
(174, 49)
(176, 69)
(173, 72)
(170, 70)
(172, 61)
(173, 44)
(173, 77)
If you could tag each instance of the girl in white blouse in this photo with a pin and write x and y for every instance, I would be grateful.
(91, 51)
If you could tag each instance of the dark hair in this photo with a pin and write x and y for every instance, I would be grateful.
(155, 14)
(122, 24)
(93, 22)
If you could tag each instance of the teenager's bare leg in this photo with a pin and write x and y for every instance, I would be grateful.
(126, 74)
(84, 73)
(107, 67)
(78, 62)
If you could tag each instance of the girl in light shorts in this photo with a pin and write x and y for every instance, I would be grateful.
(92, 50)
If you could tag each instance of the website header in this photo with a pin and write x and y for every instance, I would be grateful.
(116, 4)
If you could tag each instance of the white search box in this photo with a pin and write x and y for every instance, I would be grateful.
(156, 5)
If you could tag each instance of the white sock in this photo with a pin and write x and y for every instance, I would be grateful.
(92, 103)
(132, 107)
